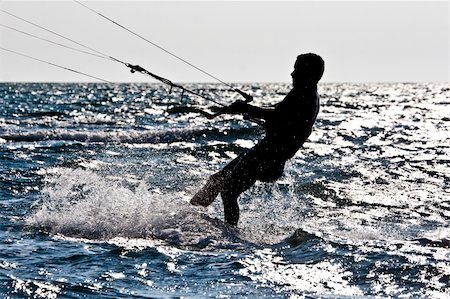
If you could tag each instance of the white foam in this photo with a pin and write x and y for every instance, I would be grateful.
(35, 288)
(270, 215)
(84, 204)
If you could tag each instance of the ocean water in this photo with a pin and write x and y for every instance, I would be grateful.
(95, 181)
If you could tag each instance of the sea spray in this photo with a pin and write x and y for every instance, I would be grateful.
(91, 204)
(85, 204)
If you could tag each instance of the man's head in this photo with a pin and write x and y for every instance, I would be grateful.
(308, 69)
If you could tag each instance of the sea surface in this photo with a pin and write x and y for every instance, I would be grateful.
(95, 182)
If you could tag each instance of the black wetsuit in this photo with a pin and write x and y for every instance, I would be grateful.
(287, 128)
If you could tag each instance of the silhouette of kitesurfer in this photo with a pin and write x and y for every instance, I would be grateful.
(287, 125)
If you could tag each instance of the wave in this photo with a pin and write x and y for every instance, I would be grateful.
(126, 136)
(89, 204)
(129, 136)
(74, 206)
(444, 242)
(83, 204)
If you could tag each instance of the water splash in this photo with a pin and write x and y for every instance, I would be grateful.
(85, 204)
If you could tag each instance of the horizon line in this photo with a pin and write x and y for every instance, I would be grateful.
(218, 83)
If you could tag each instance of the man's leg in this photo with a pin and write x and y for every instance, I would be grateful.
(230, 195)
(231, 208)
(205, 196)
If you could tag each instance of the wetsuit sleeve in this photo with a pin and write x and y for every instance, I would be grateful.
(249, 110)
(258, 112)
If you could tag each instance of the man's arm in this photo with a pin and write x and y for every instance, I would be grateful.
(240, 107)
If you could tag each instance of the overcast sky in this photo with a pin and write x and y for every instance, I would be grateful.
(360, 41)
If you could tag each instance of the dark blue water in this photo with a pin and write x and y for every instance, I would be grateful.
(95, 181)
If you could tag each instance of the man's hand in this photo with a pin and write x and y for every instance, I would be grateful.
(236, 107)
(248, 98)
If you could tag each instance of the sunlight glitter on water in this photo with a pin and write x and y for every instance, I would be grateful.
(362, 210)
(326, 278)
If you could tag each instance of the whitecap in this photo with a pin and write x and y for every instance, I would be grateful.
(81, 203)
